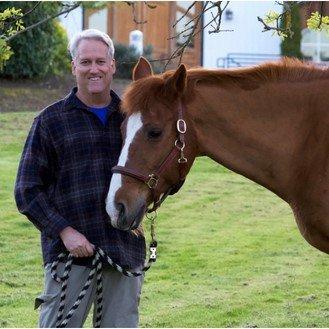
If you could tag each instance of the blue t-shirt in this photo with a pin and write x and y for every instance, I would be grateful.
(101, 112)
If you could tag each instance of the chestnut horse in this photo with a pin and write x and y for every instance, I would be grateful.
(269, 123)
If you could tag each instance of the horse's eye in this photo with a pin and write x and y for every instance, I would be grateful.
(154, 134)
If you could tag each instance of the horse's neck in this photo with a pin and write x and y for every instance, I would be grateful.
(257, 133)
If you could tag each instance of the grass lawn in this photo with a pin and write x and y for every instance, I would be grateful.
(230, 254)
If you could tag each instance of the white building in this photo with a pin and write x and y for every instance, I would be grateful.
(72, 22)
(246, 38)
(242, 44)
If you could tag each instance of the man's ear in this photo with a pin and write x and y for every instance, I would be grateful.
(177, 83)
(73, 67)
(114, 68)
(142, 69)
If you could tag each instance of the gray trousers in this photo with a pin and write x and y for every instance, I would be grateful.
(120, 298)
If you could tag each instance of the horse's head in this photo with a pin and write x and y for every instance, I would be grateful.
(159, 145)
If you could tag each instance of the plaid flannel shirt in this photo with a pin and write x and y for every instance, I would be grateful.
(64, 176)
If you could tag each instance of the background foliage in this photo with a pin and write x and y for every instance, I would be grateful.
(39, 51)
(10, 24)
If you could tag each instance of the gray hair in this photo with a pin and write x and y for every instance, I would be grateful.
(91, 34)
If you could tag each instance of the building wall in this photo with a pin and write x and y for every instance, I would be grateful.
(99, 20)
(72, 22)
(156, 31)
(247, 35)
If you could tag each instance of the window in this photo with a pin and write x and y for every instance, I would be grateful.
(98, 20)
(181, 26)
(315, 45)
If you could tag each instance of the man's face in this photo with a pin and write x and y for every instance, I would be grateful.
(93, 68)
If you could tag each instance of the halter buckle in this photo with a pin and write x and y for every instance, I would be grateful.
(181, 126)
(153, 181)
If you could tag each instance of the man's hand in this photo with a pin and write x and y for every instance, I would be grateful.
(76, 243)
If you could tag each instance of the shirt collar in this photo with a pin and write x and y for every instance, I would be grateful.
(72, 101)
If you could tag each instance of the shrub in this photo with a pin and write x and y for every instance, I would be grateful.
(126, 57)
(61, 60)
(39, 51)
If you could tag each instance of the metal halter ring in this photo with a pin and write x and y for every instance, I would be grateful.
(181, 126)
(153, 181)
(182, 159)
(180, 147)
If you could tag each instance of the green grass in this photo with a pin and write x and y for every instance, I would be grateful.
(230, 254)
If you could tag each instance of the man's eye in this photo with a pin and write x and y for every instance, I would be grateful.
(154, 134)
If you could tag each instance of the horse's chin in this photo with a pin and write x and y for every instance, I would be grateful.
(125, 227)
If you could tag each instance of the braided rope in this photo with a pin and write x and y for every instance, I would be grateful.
(99, 294)
(64, 280)
(96, 267)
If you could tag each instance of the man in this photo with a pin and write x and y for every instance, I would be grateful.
(62, 182)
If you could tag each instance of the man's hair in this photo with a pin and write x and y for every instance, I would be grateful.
(91, 34)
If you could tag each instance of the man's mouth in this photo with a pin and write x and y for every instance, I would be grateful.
(95, 78)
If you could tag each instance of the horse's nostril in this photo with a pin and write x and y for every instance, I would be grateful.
(121, 209)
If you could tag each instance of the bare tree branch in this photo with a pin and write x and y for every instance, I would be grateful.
(31, 10)
(191, 31)
(287, 7)
(266, 27)
(201, 13)
(180, 33)
(179, 52)
(218, 17)
(186, 12)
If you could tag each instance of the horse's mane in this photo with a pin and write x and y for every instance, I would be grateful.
(287, 69)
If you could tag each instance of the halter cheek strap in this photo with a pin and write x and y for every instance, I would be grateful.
(152, 180)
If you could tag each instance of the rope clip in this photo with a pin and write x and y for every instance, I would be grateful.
(153, 251)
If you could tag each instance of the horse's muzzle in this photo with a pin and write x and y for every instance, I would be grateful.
(129, 219)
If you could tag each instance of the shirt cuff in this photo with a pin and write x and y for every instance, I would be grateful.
(56, 225)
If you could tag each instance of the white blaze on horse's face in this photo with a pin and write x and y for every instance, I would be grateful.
(134, 124)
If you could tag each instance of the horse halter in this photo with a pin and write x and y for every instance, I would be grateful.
(152, 179)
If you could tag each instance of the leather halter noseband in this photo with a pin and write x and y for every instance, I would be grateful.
(152, 180)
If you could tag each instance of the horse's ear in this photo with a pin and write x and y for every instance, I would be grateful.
(142, 69)
(177, 83)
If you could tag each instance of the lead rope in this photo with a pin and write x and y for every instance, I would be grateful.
(96, 267)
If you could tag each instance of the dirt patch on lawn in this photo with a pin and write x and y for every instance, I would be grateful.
(34, 95)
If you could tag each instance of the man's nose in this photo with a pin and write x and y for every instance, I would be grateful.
(94, 68)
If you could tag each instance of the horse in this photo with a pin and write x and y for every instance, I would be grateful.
(269, 123)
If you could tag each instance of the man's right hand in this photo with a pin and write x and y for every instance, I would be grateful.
(76, 243)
